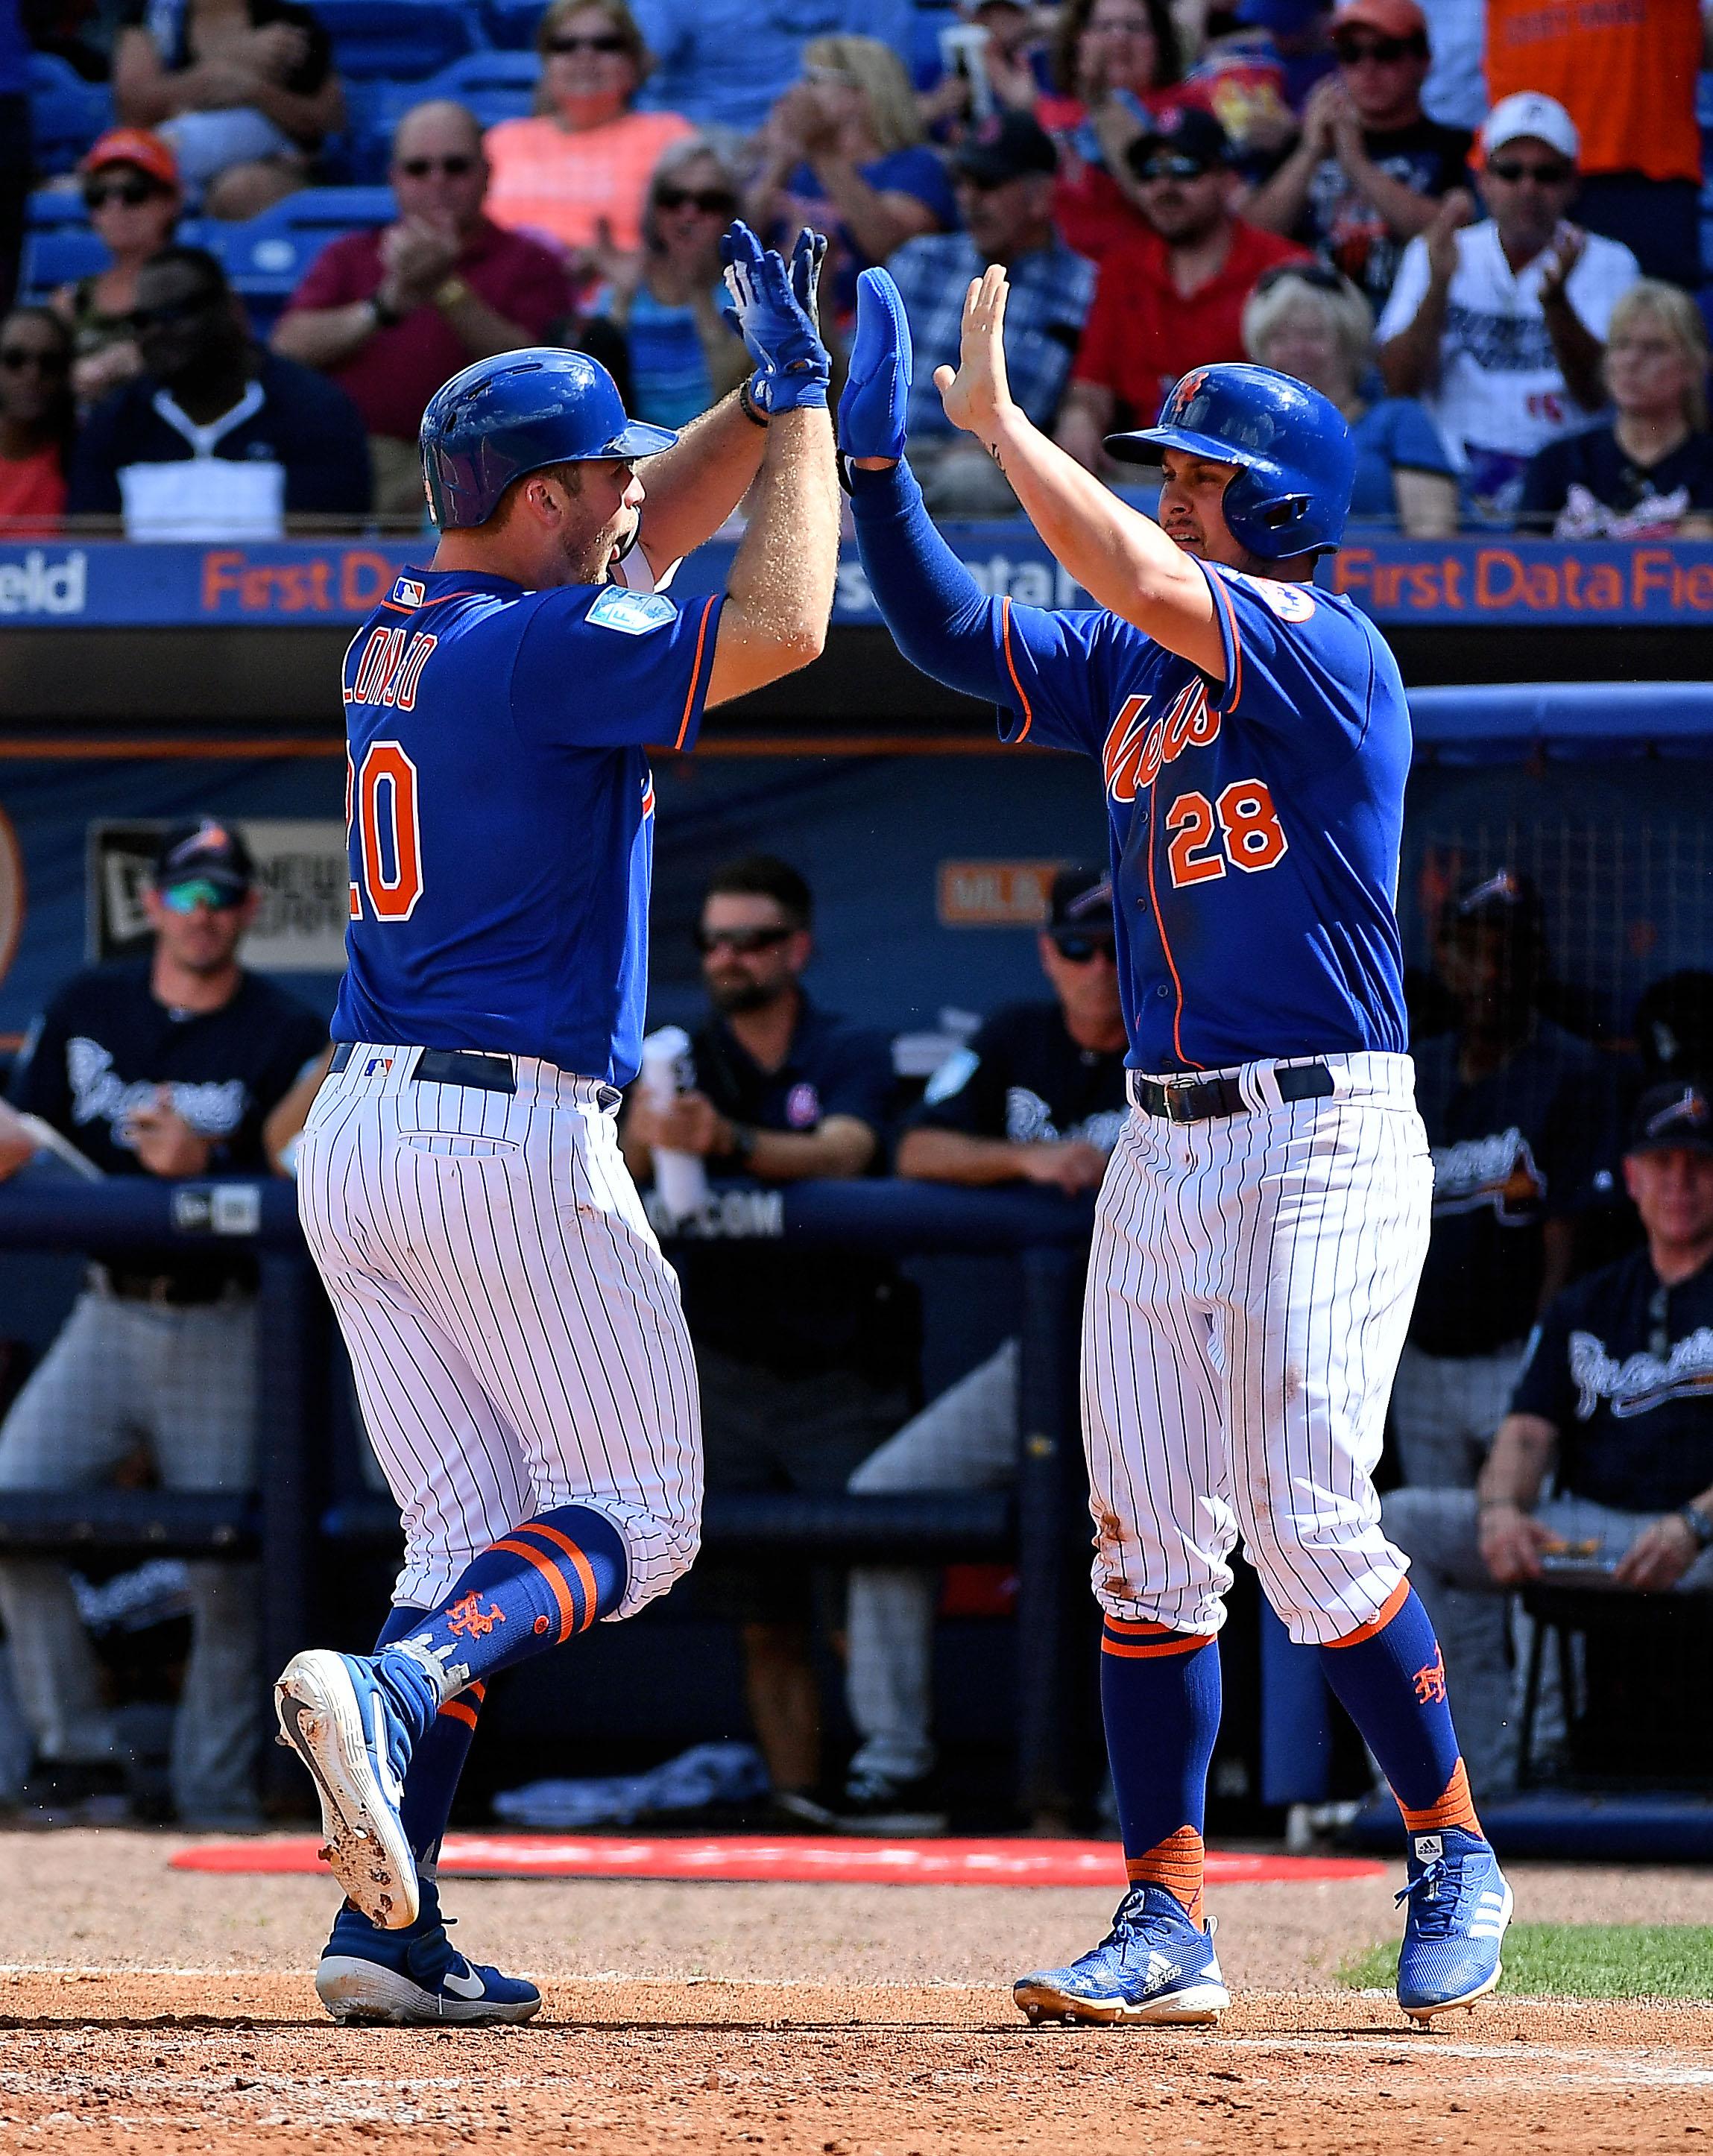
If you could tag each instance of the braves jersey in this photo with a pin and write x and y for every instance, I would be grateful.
(1254, 824)
(1024, 1079)
(501, 810)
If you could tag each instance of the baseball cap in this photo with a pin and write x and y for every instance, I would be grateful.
(133, 146)
(1392, 18)
(204, 850)
(1080, 903)
(1189, 129)
(1672, 1118)
(1530, 112)
(1005, 147)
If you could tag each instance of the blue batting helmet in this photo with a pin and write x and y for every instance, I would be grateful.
(516, 414)
(1299, 462)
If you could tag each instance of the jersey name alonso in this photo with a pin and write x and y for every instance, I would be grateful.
(1254, 824)
(501, 812)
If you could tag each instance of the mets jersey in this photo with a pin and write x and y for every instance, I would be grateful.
(1254, 824)
(501, 812)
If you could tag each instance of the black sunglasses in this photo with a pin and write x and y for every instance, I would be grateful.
(1387, 51)
(1081, 950)
(1171, 166)
(607, 41)
(712, 201)
(455, 168)
(16, 358)
(98, 193)
(1545, 176)
(742, 940)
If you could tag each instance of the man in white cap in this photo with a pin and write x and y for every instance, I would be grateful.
(1500, 327)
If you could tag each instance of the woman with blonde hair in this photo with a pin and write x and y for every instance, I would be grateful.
(843, 152)
(1648, 471)
(576, 175)
(1305, 320)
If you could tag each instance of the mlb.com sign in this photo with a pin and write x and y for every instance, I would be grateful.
(40, 585)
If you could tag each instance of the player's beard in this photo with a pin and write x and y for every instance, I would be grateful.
(739, 993)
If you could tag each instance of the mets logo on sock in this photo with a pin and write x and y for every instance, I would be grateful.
(466, 1615)
(1430, 1682)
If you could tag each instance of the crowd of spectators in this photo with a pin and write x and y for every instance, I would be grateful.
(1147, 171)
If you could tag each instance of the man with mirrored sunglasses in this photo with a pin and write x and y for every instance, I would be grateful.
(169, 1066)
(390, 314)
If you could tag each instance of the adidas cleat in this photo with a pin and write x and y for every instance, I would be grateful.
(342, 1723)
(1458, 1905)
(1153, 1966)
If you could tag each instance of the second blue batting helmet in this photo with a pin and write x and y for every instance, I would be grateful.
(519, 413)
(1298, 460)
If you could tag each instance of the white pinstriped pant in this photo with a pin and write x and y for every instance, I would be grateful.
(1249, 1288)
(515, 1333)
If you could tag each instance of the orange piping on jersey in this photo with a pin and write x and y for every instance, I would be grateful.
(458, 1712)
(1388, 1609)
(579, 1564)
(1160, 923)
(555, 1579)
(1006, 637)
(1235, 685)
(695, 676)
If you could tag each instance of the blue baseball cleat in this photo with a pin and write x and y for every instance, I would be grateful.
(348, 1727)
(1458, 1906)
(1153, 1966)
(366, 1974)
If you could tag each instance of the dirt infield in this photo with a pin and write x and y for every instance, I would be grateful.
(145, 2008)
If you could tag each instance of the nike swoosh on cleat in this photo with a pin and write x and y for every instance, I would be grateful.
(470, 1985)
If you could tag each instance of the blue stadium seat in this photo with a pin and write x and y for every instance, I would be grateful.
(495, 85)
(56, 257)
(398, 40)
(512, 24)
(265, 259)
(52, 208)
(66, 112)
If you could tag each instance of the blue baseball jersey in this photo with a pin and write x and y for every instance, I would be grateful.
(501, 812)
(1255, 824)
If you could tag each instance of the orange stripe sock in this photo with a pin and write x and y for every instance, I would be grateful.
(1453, 1807)
(1176, 1864)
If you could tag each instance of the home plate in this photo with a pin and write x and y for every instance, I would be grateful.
(792, 1858)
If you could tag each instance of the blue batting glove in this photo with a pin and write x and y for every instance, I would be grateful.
(773, 311)
(878, 391)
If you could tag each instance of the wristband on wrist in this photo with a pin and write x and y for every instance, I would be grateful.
(452, 292)
(1698, 1523)
(386, 317)
(743, 1138)
(747, 404)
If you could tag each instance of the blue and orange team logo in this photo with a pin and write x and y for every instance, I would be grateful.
(1134, 750)
(1187, 388)
(467, 1616)
(406, 592)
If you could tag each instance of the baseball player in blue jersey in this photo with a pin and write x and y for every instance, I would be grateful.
(1264, 1216)
(516, 1335)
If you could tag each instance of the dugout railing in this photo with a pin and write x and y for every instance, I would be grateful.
(297, 1520)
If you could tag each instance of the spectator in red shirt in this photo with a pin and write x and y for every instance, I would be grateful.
(1172, 298)
(35, 421)
(1114, 63)
(391, 315)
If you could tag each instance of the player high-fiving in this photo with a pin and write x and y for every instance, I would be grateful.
(515, 1333)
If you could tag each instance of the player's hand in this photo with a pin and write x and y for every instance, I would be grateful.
(876, 395)
(1441, 237)
(1072, 1165)
(1568, 249)
(978, 396)
(1658, 1557)
(773, 311)
(1511, 1543)
(163, 1142)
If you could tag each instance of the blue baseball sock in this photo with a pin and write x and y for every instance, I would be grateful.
(431, 1780)
(1160, 1699)
(1390, 1677)
(535, 1587)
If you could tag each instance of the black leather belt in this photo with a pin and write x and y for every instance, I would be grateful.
(1198, 1099)
(449, 1066)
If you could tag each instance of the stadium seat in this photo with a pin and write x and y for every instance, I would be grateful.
(512, 24)
(495, 85)
(66, 112)
(397, 40)
(57, 256)
(51, 207)
(265, 259)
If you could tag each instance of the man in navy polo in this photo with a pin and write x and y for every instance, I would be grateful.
(807, 1361)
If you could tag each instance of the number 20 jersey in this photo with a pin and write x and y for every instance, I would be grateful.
(1255, 824)
(500, 808)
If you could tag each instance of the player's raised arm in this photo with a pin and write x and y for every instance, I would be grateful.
(780, 597)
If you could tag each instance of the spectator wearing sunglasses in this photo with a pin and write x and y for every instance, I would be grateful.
(1003, 173)
(131, 192)
(391, 315)
(807, 1361)
(169, 1066)
(1172, 298)
(1369, 166)
(576, 175)
(1114, 62)
(1037, 1096)
(676, 356)
(1307, 320)
(216, 439)
(36, 420)
(1500, 327)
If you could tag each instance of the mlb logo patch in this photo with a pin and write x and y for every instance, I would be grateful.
(406, 592)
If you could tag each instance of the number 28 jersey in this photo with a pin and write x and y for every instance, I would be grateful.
(500, 808)
(1254, 824)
